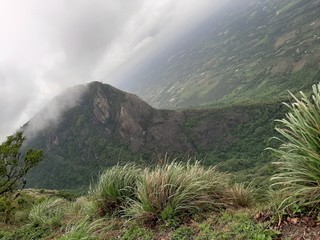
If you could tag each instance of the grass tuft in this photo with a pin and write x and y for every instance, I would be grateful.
(241, 195)
(47, 213)
(115, 186)
(299, 154)
(171, 191)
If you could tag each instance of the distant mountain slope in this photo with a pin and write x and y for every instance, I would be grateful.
(251, 50)
(107, 125)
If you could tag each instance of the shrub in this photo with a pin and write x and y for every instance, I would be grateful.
(174, 190)
(115, 186)
(299, 154)
(14, 165)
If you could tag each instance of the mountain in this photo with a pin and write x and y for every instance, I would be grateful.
(252, 50)
(102, 126)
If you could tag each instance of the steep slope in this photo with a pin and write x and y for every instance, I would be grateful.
(106, 126)
(251, 50)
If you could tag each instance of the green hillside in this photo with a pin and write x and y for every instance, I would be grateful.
(110, 126)
(251, 50)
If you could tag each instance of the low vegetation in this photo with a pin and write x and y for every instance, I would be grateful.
(129, 202)
(299, 165)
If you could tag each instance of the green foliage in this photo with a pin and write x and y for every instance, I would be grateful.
(27, 232)
(15, 209)
(137, 232)
(182, 233)
(115, 186)
(238, 226)
(299, 154)
(170, 191)
(13, 167)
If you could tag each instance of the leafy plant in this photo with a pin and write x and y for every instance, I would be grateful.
(299, 154)
(13, 165)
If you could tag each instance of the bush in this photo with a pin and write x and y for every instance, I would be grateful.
(171, 191)
(115, 186)
(299, 154)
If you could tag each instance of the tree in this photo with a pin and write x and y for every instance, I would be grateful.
(14, 164)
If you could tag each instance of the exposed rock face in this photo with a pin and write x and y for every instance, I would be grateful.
(134, 119)
(101, 106)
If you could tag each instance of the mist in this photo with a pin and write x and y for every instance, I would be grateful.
(51, 115)
(47, 46)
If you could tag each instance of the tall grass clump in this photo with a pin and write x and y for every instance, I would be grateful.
(240, 195)
(299, 154)
(114, 187)
(78, 231)
(174, 190)
(47, 213)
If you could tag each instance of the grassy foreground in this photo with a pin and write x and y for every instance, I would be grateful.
(169, 201)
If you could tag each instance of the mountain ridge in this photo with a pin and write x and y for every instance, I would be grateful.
(108, 125)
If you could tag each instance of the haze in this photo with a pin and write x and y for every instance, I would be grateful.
(47, 46)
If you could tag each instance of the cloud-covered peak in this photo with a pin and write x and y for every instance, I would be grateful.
(47, 46)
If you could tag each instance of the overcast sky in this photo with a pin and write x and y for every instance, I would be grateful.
(48, 45)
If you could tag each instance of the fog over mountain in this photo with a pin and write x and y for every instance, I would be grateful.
(47, 46)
